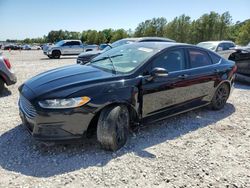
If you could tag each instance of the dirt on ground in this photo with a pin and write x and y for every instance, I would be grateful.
(202, 148)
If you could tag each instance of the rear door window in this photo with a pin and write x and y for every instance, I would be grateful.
(215, 58)
(67, 44)
(198, 58)
(75, 43)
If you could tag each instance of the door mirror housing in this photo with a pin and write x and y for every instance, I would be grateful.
(159, 72)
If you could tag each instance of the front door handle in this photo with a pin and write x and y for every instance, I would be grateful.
(183, 76)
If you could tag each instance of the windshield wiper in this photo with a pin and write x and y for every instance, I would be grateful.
(110, 59)
(114, 69)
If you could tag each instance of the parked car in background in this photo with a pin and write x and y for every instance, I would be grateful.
(123, 87)
(68, 47)
(64, 47)
(46, 46)
(239, 54)
(86, 57)
(88, 48)
(12, 47)
(26, 47)
(102, 46)
(35, 47)
(224, 48)
(7, 76)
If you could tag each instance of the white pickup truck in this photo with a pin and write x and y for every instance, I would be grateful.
(68, 47)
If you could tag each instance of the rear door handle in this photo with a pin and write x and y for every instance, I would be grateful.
(183, 76)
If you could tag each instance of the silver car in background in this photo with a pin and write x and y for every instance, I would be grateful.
(223, 48)
(68, 47)
(7, 75)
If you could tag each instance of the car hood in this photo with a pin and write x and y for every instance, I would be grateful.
(64, 81)
(91, 53)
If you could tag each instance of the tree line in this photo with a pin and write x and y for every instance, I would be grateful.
(210, 26)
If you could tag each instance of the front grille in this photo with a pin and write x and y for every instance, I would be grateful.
(27, 108)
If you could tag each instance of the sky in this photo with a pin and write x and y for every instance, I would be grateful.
(21, 19)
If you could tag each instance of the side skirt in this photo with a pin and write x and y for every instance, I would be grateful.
(169, 113)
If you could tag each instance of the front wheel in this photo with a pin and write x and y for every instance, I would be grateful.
(56, 54)
(220, 97)
(112, 127)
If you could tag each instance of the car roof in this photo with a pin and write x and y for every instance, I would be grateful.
(160, 45)
(71, 40)
(141, 39)
(217, 42)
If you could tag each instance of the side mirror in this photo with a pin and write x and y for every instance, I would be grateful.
(159, 72)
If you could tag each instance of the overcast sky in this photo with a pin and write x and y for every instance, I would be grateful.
(21, 19)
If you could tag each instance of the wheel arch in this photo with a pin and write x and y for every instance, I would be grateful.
(227, 82)
(133, 115)
(53, 50)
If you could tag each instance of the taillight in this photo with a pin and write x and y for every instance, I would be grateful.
(7, 63)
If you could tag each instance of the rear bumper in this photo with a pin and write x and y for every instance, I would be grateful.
(58, 125)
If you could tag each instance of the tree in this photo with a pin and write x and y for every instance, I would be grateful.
(108, 33)
(244, 34)
(178, 29)
(92, 37)
(209, 26)
(119, 34)
(153, 27)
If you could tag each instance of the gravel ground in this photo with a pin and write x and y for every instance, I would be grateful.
(202, 148)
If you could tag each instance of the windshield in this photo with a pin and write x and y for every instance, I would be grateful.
(60, 43)
(123, 59)
(208, 45)
(118, 43)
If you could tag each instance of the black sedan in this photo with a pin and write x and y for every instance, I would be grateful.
(121, 88)
(86, 57)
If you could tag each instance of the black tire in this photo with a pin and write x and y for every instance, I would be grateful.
(56, 54)
(112, 127)
(220, 97)
(1, 86)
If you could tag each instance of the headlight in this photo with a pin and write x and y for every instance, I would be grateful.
(64, 103)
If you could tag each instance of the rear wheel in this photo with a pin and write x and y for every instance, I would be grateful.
(1, 86)
(112, 127)
(220, 97)
(56, 54)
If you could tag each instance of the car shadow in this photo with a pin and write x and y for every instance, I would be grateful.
(6, 92)
(21, 154)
